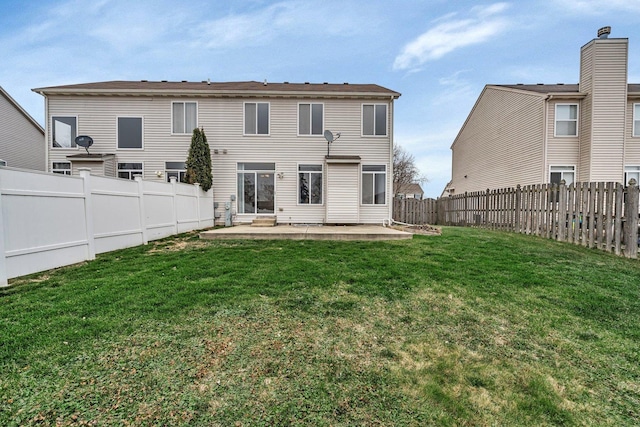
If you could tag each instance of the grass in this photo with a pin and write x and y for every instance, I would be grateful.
(469, 328)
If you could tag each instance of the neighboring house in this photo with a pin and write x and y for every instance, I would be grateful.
(409, 191)
(21, 137)
(269, 155)
(533, 134)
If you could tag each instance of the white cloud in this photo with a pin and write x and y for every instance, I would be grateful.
(599, 7)
(450, 34)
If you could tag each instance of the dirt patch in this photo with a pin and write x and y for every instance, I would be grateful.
(424, 229)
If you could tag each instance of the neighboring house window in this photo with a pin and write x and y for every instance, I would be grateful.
(374, 119)
(130, 133)
(374, 184)
(175, 169)
(636, 119)
(310, 119)
(129, 170)
(184, 116)
(65, 130)
(566, 120)
(3, 163)
(631, 172)
(62, 168)
(310, 184)
(256, 118)
(558, 173)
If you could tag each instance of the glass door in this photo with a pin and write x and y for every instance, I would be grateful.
(256, 188)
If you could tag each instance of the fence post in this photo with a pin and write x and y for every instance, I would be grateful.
(631, 223)
(143, 212)
(197, 185)
(562, 218)
(85, 174)
(4, 280)
(174, 202)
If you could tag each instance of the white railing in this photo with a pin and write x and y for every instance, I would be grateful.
(48, 220)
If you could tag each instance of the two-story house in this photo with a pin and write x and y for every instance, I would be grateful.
(533, 134)
(21, 136)
(269, 153)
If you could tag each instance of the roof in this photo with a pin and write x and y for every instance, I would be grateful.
(413, 188)
(21, 110)
(206, 88)
(560, 88)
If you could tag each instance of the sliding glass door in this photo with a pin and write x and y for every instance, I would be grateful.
(256, 188)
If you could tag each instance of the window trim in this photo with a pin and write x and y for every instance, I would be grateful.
(555, 120)
(129, 170)
(386, 122)
(185, 116)
(386, 183)
(298, 172)
(575, 172)
(244, 118)
(635, 124)
(310, 134)
(64, 170)
(53, 134)
(180, 171)
(141, 133)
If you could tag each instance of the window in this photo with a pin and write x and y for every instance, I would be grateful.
(184, 117)
(129, 170)
(310, 119)
(566, 120)
(310, 184)
(175, 169)
(256, 188)
(65, 130)
(3, 162)
(130, 133)
(374, 119)
(558, 173)
(256, 118)
(62, 168)
(374, 184)
(636, 119)
(631, 172)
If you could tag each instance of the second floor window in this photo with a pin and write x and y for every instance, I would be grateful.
(310, 120)
(374, 119)
(256, 118)
(184, 117)
(65, 130)
(130, 133)
(566, 120)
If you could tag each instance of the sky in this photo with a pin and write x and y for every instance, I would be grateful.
(439, 54)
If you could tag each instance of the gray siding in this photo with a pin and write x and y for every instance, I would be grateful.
(502, 142)
(21, 140)
(561, 151)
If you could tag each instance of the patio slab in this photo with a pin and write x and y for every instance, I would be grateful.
(308, 232)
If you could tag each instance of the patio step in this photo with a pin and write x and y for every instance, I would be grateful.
(269, 221)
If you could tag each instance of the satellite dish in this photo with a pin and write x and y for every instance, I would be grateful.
(328, 135)
(84, 141)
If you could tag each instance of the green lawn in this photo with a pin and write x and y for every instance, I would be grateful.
(469, 328)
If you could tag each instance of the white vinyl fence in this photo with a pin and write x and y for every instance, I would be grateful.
(48, 220)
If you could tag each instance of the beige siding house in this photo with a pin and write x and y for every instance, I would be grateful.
(533, 134)
(269, 154)
(21, 137)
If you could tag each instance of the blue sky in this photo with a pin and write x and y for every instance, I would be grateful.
(438, 53)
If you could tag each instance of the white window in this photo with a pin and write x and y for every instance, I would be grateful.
(374, 184)
(558, 173)
(374, 119)
(310, 119)
(256, 118)
(310, 184)
(129, 170)
(184, 117)
(130, 133)
(64, 130)
(175, 169)
(636, 119)
(3, 162)
(566, 120)
(631, 172)
(62, 168)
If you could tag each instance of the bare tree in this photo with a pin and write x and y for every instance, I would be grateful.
(405, 170)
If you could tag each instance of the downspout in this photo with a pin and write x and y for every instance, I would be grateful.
(391, 143)
(46, 133)
(545, 138)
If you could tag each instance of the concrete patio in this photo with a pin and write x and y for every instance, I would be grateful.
(308, 232)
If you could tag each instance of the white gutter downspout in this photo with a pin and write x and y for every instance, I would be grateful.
(545, 139)
(391, 143)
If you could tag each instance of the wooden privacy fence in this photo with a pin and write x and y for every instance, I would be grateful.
(415, 211)
(596, 215)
